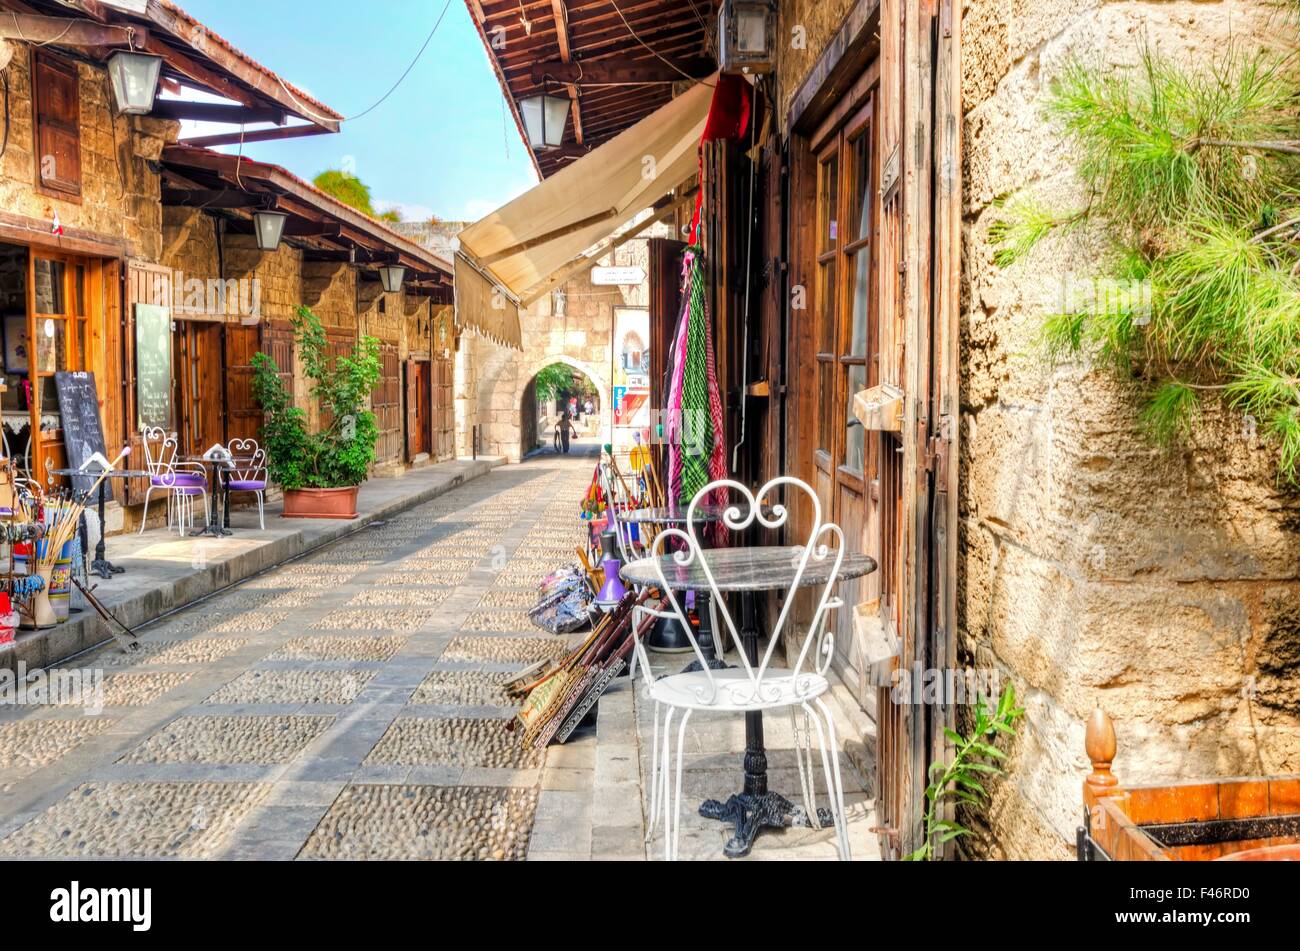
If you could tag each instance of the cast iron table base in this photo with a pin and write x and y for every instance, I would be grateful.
(749, 815)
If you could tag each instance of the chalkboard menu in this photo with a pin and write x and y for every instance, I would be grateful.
(153, 366)
(83, 436)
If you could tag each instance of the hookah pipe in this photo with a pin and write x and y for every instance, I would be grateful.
(612, 591)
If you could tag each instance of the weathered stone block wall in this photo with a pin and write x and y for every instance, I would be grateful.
(805, 27)
(119, 194)
(1096, 570)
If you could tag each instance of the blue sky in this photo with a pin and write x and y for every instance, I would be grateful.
(440, 144)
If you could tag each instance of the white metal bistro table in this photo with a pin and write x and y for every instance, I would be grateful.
(749, 571)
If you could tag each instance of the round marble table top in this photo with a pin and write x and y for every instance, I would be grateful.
(674, 515)
(746, 569)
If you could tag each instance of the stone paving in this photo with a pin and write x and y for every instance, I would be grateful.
(350, 705)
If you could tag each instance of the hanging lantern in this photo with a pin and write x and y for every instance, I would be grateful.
(391, 277)
(747, 36)
(269, 226)
(135, 81)
(544, 119)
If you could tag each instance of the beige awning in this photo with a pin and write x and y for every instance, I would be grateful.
(512, 251)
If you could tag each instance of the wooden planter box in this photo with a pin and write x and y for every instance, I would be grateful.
(1246, 818)
(321, 503)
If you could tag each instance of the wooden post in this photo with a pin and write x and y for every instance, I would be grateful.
(1099, 741)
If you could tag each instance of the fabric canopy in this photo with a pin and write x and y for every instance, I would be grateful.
(518, 246)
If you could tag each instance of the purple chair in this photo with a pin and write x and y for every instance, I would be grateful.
(182, 482)
(252, 476)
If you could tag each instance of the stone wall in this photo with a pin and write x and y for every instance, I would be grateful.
(804, 28)
(119, 194)
(1096, 570)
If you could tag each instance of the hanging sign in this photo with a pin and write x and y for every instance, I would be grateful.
(617, 276)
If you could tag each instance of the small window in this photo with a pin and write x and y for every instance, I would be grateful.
(56, 116)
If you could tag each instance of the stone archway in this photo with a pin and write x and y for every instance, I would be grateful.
(505, 391)
(537, 422)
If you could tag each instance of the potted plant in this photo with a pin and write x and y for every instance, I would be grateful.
(319, 471)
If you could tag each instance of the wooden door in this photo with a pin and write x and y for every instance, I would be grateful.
(847, 457)
(665, 309)
(197, 363)
(386, 403)
(419, 423)
(61, 301)
(243, 415)
(443, 409)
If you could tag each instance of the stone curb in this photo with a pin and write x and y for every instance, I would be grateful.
(137, 607)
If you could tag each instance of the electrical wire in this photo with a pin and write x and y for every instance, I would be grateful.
(655, 52)
(320, 118)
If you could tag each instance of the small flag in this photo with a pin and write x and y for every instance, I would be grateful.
(58, 225)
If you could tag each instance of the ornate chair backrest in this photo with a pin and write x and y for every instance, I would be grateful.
(160, 449)
(822, 548)
(255, 456)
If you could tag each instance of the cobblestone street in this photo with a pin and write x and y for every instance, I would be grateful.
(349, 705)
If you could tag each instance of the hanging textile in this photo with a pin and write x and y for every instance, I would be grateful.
(697, 455)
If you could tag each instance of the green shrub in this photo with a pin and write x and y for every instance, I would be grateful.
(340, 454)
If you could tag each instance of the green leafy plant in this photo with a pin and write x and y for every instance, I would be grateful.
(553, 380)
(340, 454)
(1194, 182)
(961, 779)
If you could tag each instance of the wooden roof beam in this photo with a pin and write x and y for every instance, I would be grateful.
(62, 31)
(622, 71)
(562, 38)
(217, 112)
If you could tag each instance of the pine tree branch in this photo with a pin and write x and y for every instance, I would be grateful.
(1291, 147)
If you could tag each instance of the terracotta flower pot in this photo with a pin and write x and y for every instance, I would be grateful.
(321, 503)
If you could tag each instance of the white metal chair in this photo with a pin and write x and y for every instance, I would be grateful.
(182, 482)
(750, 687)
(252, 476)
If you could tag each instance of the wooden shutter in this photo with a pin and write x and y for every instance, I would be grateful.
(665, 308)
(57, 118)
(243, 415)
(145, 284)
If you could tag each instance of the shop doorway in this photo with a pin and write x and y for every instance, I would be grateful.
(51, 307)
(198, 384)
(419, 410)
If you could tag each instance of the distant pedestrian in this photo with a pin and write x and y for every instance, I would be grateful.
(589, 406)
(566, 430)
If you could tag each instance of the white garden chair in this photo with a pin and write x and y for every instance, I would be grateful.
(251, 476)
(182, 482)
(749, 687)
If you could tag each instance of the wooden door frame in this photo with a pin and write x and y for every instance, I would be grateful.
(918, 126)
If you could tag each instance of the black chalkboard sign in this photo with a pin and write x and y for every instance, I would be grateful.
(83, 436)
(153, 366)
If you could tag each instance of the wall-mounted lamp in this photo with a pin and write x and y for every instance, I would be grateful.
(135, 81)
